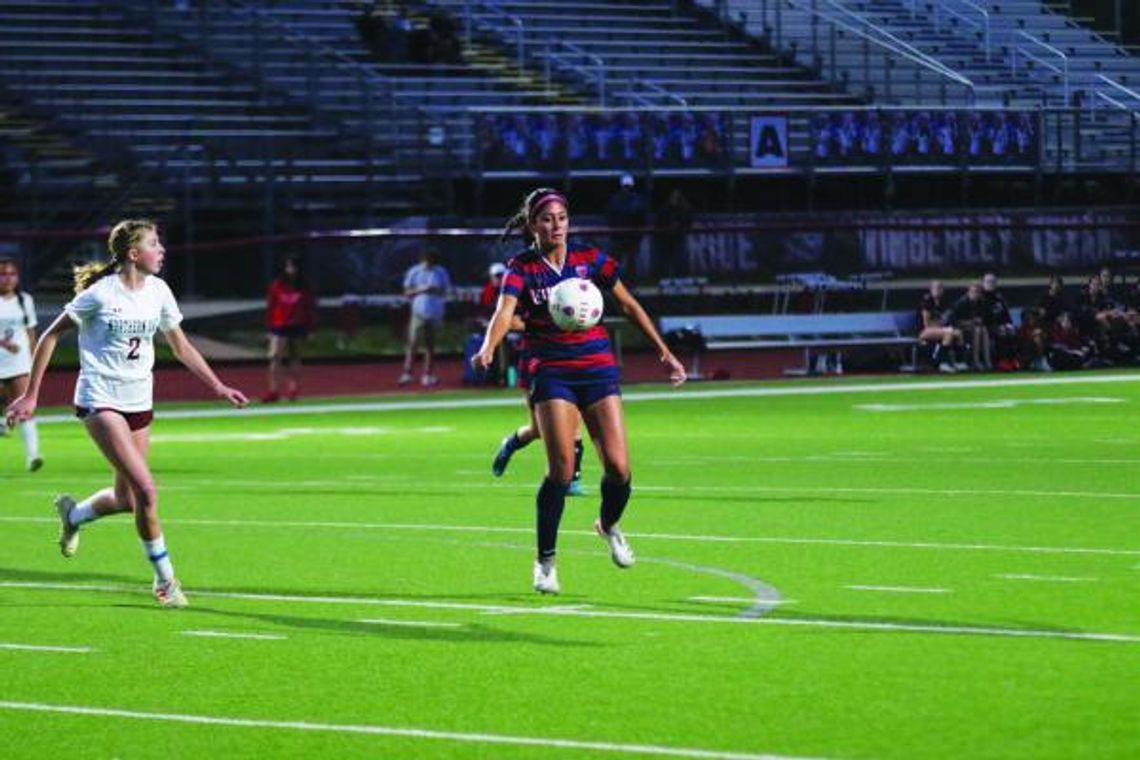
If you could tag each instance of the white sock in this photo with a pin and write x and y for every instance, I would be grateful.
(84, 511)
(160, 559)
(31, 436)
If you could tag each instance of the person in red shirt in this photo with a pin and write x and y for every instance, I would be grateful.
(289, 314)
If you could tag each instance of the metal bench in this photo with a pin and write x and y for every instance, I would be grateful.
(809, 332)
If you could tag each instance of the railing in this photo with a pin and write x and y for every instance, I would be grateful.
(967, 12)
(642, 92)
(1114, 94)
(830, 22)
(476, 13)
(1024, 48)
(590, 68)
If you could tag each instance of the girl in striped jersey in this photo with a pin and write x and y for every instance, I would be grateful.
(571, 373)
(118, 306)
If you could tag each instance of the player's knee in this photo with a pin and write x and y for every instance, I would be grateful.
(561, 473)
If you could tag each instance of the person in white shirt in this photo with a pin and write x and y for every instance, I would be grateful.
(118, 307)
(427, 285)
(17, 341)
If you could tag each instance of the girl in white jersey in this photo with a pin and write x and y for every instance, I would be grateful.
(17, 341)
(118, 307)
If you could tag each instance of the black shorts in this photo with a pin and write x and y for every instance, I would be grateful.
(135, 420)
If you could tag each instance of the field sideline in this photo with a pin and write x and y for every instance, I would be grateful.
(852, 569)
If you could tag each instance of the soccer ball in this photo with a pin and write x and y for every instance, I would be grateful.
(575, 304)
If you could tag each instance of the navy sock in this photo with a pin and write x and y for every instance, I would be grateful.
(578, 450)
(615, 495)
(550, 503)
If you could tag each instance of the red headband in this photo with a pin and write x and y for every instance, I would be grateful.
(548, 197)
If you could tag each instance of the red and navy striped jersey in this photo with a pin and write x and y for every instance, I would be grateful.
(530, 278)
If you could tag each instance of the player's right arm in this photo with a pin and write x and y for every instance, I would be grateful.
(499, 326)
(25, 406)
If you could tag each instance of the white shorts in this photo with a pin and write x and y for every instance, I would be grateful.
(101, 392)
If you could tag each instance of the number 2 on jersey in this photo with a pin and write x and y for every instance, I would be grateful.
(133, 352)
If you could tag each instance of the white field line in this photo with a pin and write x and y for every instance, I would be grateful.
(1004, 403)
(229, 635)
(736, 600)
(427, 527)
(9, 646)
(409, 623)
(899, 589)
(867, 626)
(399, 731)
(285, 434)
(1045, 578)
(685, 394)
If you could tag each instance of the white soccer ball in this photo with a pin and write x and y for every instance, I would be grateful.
(575, 304)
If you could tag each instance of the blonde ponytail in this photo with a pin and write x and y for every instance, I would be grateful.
(124, 236)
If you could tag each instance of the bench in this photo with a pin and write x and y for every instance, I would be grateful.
(809, 332)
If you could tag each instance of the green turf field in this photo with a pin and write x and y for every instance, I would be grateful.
(901, 571)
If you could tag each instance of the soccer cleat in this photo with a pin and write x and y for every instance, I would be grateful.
(947, 368)
(502, 457)
(271, 398)
(546, 578)
(620, 551)
(169, 594)
(575, 488)
(68, 533)
(428, 381)
(405, 378)
(35, 463)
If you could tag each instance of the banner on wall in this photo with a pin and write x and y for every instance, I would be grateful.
(768, 144)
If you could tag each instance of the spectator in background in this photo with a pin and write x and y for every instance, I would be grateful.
(1031, 338)
(999, 323)
(675, 219)
(1068, 349)
(426, 284)
(1052, 303)
(932, 327)
(489, 296)
(626, 209)
(969, 316)
(290, 312)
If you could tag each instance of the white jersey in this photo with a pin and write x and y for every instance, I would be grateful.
(14, 325)
(116, 341)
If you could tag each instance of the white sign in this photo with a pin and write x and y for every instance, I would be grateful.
(769, 143)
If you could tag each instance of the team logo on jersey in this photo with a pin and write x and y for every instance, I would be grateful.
(582, 271)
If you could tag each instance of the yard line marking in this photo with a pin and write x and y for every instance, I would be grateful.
(1052, 578)
(228, 635)
(866, 626)
(414, 733)
(409, 623)
(696, 394)
(791, 540)
(899, 589)
(549, 610)
(736, 599)
(9, 646)
(995, 403)
(285, 434)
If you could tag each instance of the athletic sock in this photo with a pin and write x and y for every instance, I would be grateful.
(550, 503)
(615, 495)
(31, 436)
(578, 450)
(160, 559)
(84, 511)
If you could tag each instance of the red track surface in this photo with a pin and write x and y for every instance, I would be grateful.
(174, 383)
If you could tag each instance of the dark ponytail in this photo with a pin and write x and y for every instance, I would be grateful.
(531, 205)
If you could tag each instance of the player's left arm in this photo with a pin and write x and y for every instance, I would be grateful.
(636, 314)
(185, 352)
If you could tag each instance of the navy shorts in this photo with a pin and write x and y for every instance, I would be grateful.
(135, 420)
(583, 391)
(290, 331)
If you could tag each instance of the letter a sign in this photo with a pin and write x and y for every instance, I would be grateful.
(769, 142)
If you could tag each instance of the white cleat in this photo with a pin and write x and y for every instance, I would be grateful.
(169, 594)
(546, 578)
(68, 533)
(620, 551)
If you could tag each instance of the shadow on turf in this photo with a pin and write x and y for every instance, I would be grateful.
(24, 575)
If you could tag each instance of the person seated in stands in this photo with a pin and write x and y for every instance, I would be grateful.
(1052, 303)
(1103, 320)
(932, 328)
(1119, 294)
(1068, 349)
(999, 323)
(969, 316)
(1031, 343)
